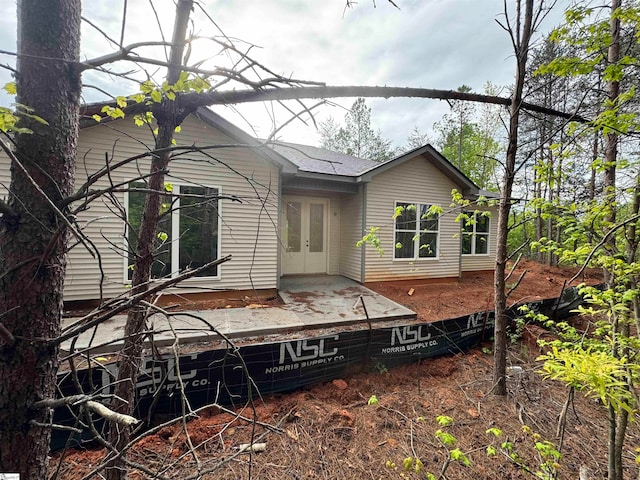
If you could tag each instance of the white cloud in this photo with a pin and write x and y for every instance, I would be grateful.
(427, 43)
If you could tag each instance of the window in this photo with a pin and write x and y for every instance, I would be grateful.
(187, 235)
(416, 231)
(475, 234)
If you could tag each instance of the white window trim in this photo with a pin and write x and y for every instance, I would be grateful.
(474, 236)
(175, 234)
(416, 257)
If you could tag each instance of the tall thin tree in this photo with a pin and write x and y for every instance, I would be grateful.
(33, 233)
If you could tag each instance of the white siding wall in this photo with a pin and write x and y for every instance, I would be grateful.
(414, 181)
(247, 229)
(351, 232)
(5, 176)
(484, 262)
(333, 267)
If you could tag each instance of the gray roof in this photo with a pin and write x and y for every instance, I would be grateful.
(315, 162)
(319, 160)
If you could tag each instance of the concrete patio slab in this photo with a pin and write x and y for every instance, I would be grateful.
(310, 302)
(189, 327)
(332, 300)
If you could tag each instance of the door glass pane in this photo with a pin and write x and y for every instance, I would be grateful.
(316, 227)
(198, 243)
(294, 227)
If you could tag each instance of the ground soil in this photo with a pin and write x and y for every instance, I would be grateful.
(332, 431)
(434, 300)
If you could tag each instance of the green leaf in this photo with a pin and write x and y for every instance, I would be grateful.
(137, 97)
(444, 420)
(446, 438)
(156, 96)
(10, 88)
(459, 456)
(373, 400)
(147, 87)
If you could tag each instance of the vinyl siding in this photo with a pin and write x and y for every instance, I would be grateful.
(414, 181)
(248, 230)
(484, 262)
(5, 175)
(351, 232)
(333, 265)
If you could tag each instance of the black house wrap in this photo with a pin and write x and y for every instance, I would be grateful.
(230, 377)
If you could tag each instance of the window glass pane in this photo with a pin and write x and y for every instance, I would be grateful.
(428, 245)
(198, 242)
(428, 222)
(316, 227)
(407, 219)
(404, 245)
(482, 243)
(294, 226)
(466, 243)
(468, 222)
(161, 265)
(482, 224)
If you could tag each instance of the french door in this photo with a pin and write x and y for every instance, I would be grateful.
(304, 235)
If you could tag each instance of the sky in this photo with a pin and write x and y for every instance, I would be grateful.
(425, 43)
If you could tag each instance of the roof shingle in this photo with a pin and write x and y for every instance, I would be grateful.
(318, 160)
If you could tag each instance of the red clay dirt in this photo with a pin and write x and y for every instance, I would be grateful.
(335, 431)
(435, 300)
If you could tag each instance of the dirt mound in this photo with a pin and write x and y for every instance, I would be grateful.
(437, 300)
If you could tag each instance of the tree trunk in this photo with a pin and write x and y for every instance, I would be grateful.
(500, 333)
(168, 115)
(537, 189)
(550, 174)
(33, 238)
(556, 209)
(611, 138)
(617, 424)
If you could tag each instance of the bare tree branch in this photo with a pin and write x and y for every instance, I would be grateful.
(192, 101)
(125, 54)
(7, 336)
(95, 318)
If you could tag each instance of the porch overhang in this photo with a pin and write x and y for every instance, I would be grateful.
(318, 184)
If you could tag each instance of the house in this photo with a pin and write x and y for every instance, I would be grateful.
(281, 210)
